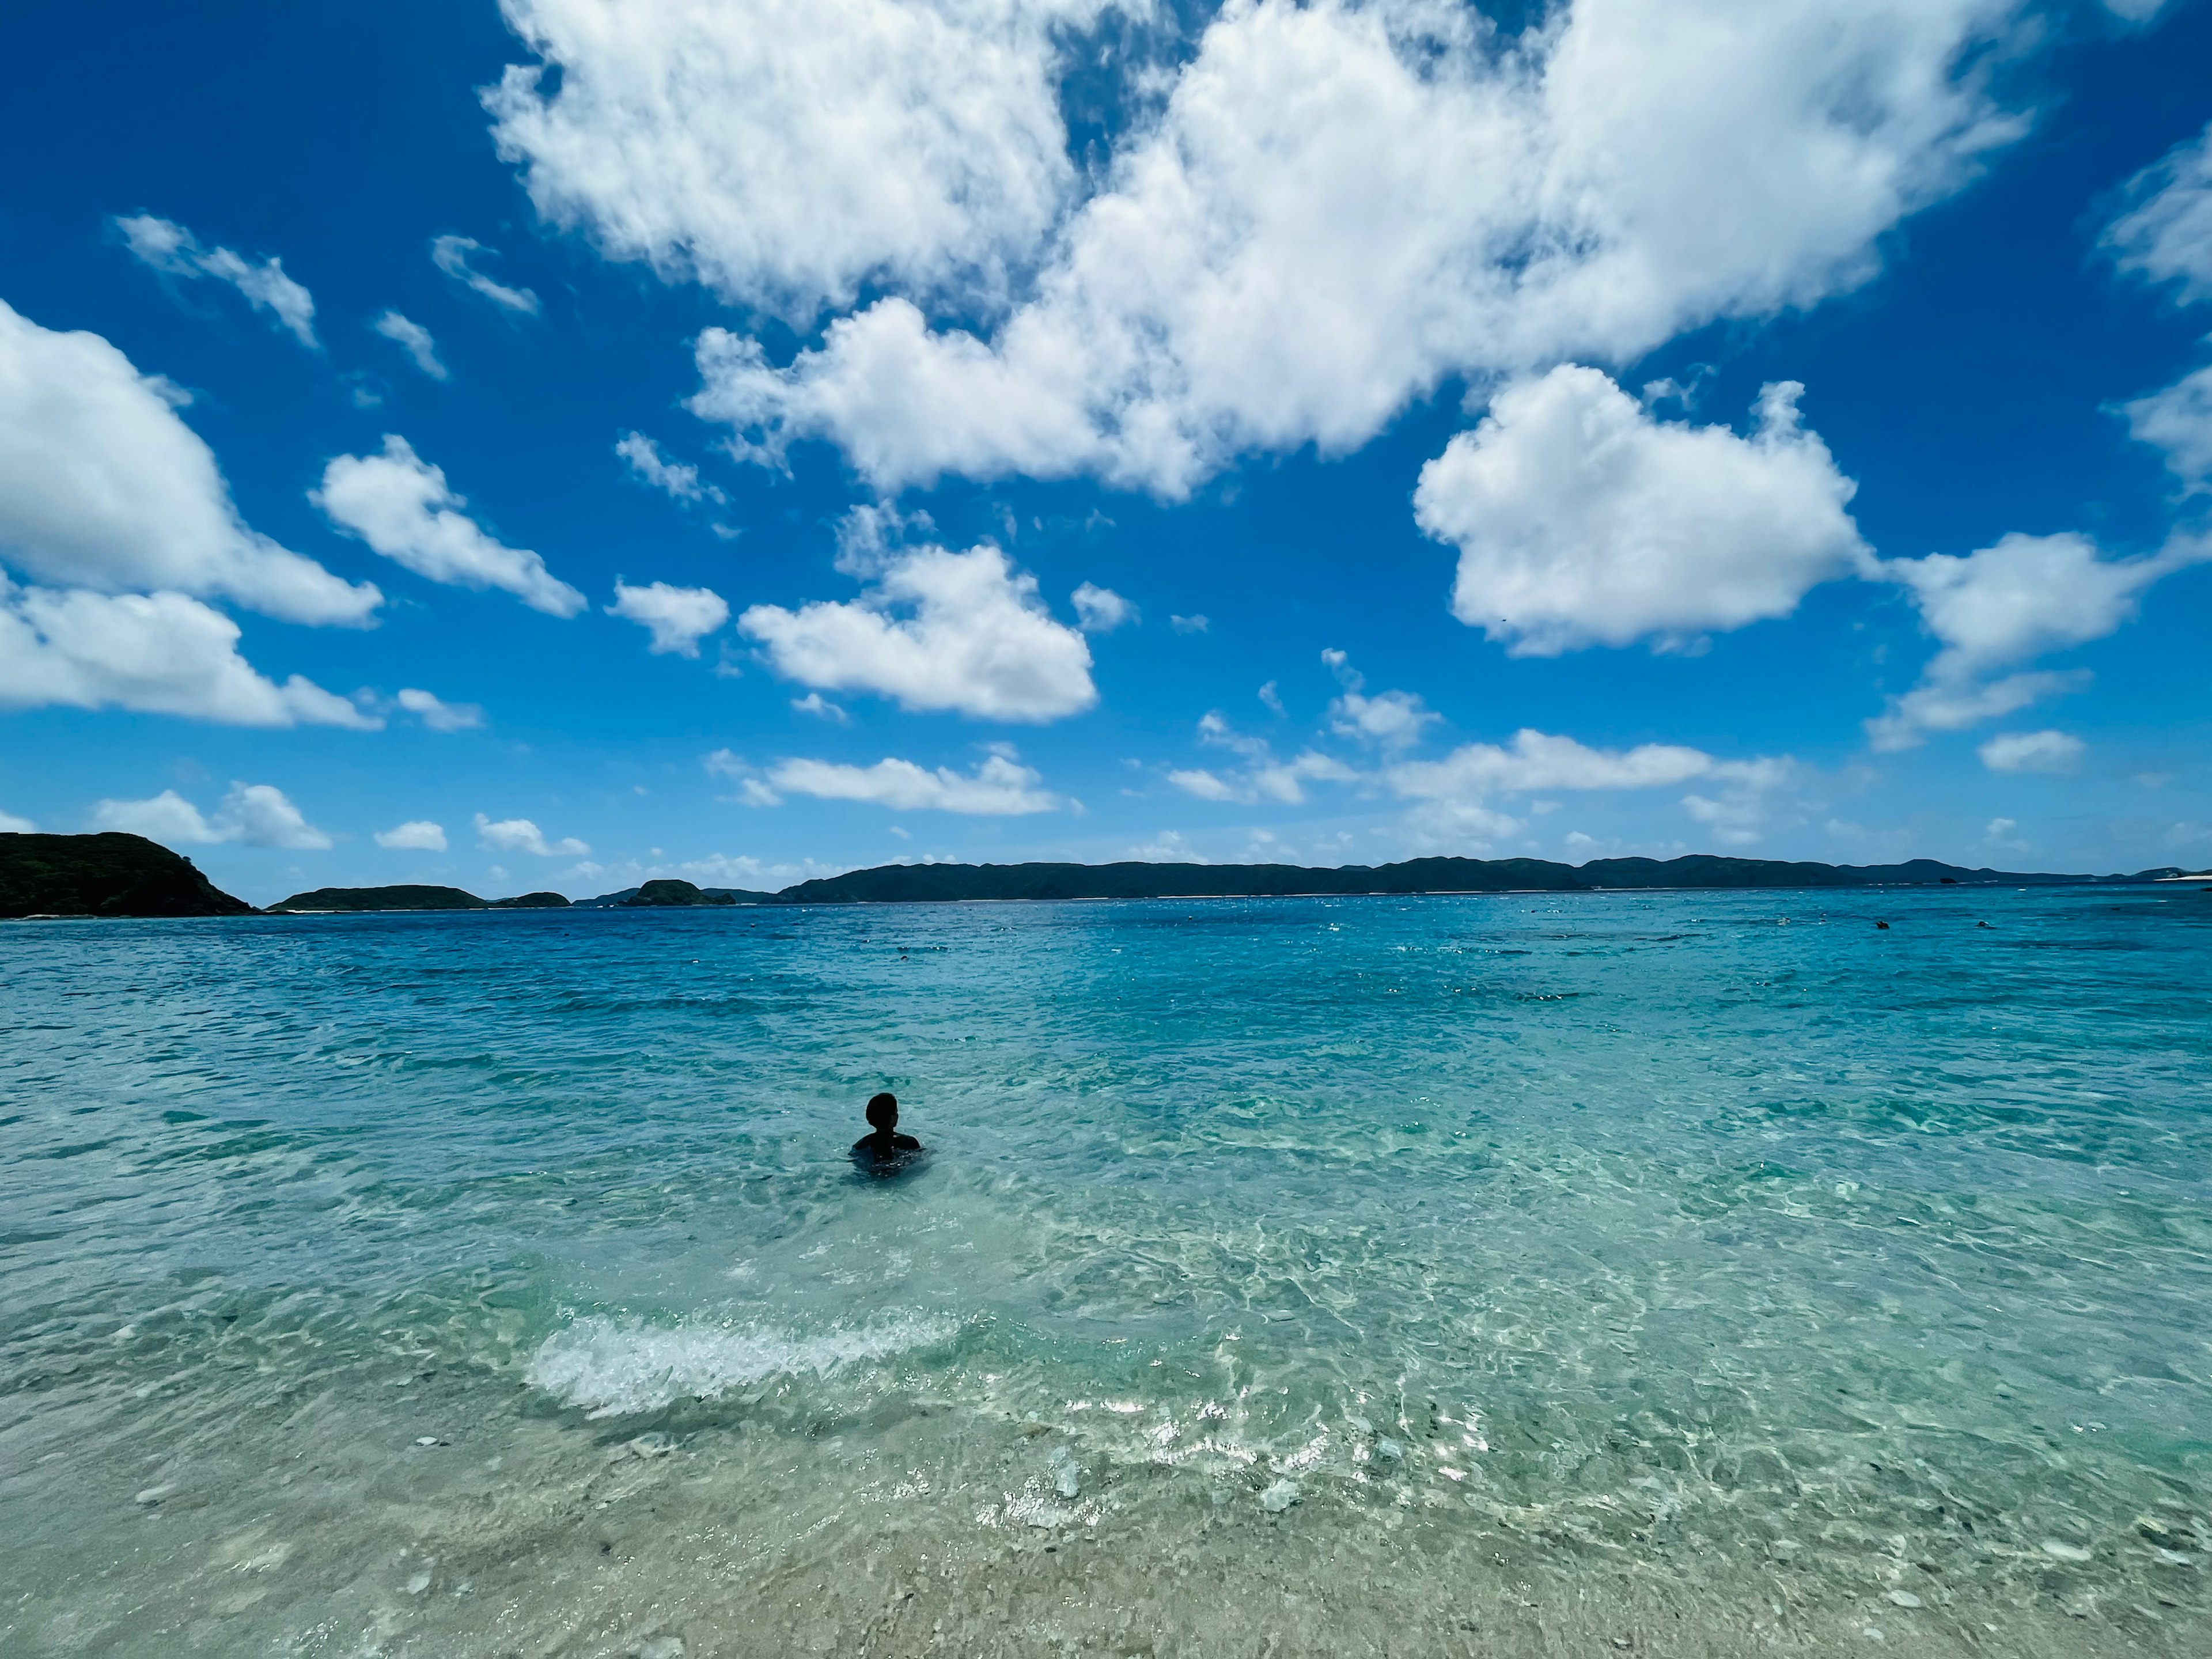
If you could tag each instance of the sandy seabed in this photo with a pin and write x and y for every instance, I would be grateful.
(929, 1528)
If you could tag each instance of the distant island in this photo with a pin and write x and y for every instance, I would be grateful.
(120, 875)
(105, 875)
(324, 900)
(659, 895)
(922, 884)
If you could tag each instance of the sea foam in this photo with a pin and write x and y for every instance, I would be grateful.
(618, 1367)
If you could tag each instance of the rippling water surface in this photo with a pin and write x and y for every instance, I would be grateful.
(1673, 1273)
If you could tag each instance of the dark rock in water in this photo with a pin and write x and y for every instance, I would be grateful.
(1883, 925)
(105, 875)
(532, 902)
(383, 898)
(663, 893)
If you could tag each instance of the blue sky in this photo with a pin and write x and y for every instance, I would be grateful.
(1639, 425)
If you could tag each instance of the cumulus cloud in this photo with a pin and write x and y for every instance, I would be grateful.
(974, 637)
(1537, 761)
(677, 618)
(103, 486)
(1166, 848)
(521, 835)
(401, 507)
(2005, 605)
(821, 707)
(439, 715)
(12, 825)
(252, 814)
(2032, 751)
(1338, 206)
(454, 255)
(414, 340)
(415, 835)
(167, 818)
(1582, 521)
(1389, 720)
(171, 249)
(154, 653)
(1451, 795)
(785, 151)
(2166, 235)
(679, 478)
(1100, 610)
(2178, 421)
(1000, 787)
(1263, 775)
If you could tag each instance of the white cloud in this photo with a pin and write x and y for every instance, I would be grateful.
(1100, 610)
(157, 653)
(265, 817)
(1207, 785)
(820, 706)
(679, 478)
(1536, 760)
(1953, 704)
(677, 618)
(1262, 777)
(1189, 624)
(1166, 848)
(2135, 11)
(167, 818)
(1338, 206)
(521, 835)
(401, 507)
(1451, 793)
(2003, 605)
(2178, 421)
(785, 151)
(1271, 699)
(439, 715)
(253, 814)
(451, 255)
(2166, 237)
(12, 825)
(1392, 720)
(415, 835)
(168, 247)
(102, 485)
(2032, 751)
(1582, 521)
(414, 340)
(979, 640)
(1000, 787)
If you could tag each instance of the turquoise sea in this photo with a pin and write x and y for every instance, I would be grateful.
(1663, 1273)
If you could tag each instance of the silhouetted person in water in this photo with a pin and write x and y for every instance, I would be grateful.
(887, 1147)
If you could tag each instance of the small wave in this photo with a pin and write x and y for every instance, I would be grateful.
(618, 1367)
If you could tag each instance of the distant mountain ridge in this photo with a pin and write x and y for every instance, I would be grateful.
(945, 883)
(122, 875)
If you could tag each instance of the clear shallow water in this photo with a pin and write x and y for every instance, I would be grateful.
(1501, 1275)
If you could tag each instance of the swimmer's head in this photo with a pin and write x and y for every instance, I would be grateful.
(883, 1112)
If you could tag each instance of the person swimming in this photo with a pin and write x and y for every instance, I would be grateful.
(885, 1146)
